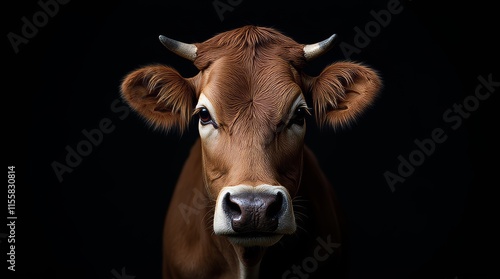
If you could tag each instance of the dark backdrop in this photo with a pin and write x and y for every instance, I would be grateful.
(104, 218)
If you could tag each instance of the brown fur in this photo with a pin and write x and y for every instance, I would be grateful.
(251, 75)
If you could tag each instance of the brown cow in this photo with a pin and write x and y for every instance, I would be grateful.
(260, 204)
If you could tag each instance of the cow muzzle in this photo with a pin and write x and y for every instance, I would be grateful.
(254, 216)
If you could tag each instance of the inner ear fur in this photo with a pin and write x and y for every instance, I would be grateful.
(160, 95)
(342, 92)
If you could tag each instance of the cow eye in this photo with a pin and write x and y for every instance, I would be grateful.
(299, 116)
(205, 117)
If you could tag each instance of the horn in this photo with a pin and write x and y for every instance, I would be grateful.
(314, 50)
(184, 50)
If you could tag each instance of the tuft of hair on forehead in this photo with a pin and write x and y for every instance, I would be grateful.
(249, 44)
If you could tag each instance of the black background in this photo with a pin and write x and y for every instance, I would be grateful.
(107, 214)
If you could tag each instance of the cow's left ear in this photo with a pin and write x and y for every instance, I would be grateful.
(342, 92)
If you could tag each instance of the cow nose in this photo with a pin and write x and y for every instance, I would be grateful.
(254, 212)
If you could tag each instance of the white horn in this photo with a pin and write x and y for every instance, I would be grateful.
(314, 50)
(184, 50)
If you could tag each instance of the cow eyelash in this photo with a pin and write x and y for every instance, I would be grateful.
(205, 117)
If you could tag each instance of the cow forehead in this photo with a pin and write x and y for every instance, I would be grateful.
(264, 88)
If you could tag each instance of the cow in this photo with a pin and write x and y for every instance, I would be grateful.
(267, 209)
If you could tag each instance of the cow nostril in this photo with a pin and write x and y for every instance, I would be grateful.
(254, 212)
(230, 207)
(274, 208)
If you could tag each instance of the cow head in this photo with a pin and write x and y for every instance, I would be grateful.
(250, 97)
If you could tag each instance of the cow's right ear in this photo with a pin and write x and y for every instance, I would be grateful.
(160, 95)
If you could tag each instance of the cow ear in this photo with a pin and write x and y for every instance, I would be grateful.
(160, 95)
(342, 92)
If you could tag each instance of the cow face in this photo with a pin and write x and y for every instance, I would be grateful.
(250, 100)
(252, 126)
